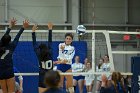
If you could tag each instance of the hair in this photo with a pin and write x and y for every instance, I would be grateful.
(44, 52)
(5, 40)
(117, 78)
(114, 81)
(52, 78)
(121, 80)
(69, 34)
(100, 64)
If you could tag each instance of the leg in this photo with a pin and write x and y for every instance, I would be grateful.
(98, 86)
(11, 84)
(87, 87)
(41, 90)
(81, 85)
(74, 84)
(69, 84)
(90, 88)
(3, 86)
(62, 80)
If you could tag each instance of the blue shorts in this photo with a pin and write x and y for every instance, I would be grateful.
(77, 78)
(6, 73)
(63, 67)
(41, 82)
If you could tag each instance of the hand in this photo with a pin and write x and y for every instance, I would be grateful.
(25, 24)
(64, 61)
(34, 28)
(62, 47)
(50, 26)
(12, 22)
(57, 62)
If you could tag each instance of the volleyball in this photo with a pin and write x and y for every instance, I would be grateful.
(80, 30)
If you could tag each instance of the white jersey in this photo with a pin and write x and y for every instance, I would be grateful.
(89, 78)
(77, 67)
(106, 67)
(99, 70)
(67, 53)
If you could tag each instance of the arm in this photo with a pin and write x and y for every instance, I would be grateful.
(34, 28)
(20, 83)
(16, 39)
(25, 25)
(12, 23)
(60, 54)
(50, 26)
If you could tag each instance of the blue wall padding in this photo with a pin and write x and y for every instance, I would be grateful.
(25, 61)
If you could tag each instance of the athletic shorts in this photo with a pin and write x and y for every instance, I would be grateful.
(63, 67)
(41, 82)
(77, 78)
(6, 73)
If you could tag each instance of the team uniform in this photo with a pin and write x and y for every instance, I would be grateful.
(99, 70)
(67, 54)
(89, 78)
(44, 66)
(78, 67)
(6, 62)
(106, 67)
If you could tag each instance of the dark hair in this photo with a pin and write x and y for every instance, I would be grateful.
(5, 40)
(69, 34)
(52, 78)
(44, 52)
(100, 64)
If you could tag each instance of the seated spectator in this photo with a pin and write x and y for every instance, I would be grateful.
(89, 79)
(52, 80)
(78, 79)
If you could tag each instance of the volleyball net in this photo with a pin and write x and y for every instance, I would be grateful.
(95, 44)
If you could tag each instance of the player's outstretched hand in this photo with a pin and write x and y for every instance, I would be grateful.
(34, 28)
(25, 23)
(50, 26)
(13, 22)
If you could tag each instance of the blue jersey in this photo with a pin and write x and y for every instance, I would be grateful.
(6, 59)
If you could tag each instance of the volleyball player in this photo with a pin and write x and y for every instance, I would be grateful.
(106, 66)
(78, 67)
(99, 69)
(18, 85)
(44, 55)
(66, 54)
(89, 79)
(7, 79)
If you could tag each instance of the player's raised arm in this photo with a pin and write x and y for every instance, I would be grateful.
(34, 28)
(12, 23)
(25, 25)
